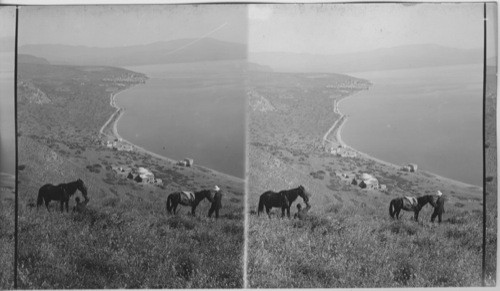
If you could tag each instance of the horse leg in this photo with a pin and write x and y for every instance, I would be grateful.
(62, 206)
(416, 216)
(47, 204)
(193, 209)
(288, 211)
(283, 212)
(268, 210)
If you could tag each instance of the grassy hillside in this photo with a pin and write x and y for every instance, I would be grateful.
(491, 176)
(125, 239)
(7, 206)
(349, 240)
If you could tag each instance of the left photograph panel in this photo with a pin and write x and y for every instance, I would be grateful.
(131, 144)
(7, 146)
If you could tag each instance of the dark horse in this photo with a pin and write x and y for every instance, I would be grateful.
(283, 199)
(61, 192)
(414, 204)
(183, 198)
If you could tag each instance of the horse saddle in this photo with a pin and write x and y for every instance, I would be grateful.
(412, 200)
(188, 195)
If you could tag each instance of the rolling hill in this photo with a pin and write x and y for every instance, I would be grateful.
(174, 51)
(401, 57)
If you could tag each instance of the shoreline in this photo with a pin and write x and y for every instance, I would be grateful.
(338, 140)
(113, 133)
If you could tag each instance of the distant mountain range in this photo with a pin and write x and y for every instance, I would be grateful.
(208, 49)
(174, 51)
(400, 57)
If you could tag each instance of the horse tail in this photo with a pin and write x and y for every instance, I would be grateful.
(392, 209)
(39, 201)
(261, 205)
(169, 204)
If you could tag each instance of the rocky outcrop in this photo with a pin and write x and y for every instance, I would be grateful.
(32, 93)
(258, 102)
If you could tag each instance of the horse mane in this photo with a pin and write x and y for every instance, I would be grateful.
(202, 194)
(71, 187)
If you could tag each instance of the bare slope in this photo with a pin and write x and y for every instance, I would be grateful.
(350, 240)
(125, 239)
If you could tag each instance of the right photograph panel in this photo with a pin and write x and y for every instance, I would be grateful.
(365, 145)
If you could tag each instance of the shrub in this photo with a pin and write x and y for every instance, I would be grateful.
(111, 202)
(235, 200)
(235, 216)
(203, 237)
(186, 265)
(334, 208)
(401, 227)
(404, 272)
(179, 221)
(233, 229)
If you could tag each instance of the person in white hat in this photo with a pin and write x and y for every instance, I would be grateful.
(216, 202)
(439, 208)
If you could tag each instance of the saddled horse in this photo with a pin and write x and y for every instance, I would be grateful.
(282, 199)
(187, 199)
(414, 204)
(61, 192)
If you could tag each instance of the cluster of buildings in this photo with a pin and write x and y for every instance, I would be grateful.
(409, 168)
(364, 181)
(119, 145)
(186, 162)
(342, 151)
(139, 175)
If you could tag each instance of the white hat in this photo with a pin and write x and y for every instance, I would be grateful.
(216, 188)
(439, 193)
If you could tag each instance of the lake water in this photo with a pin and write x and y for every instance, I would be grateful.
(429, 116)
(192, 110)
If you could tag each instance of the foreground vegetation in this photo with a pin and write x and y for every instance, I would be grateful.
(125, 239)
(7, 229)
(121, 245)
(491, 177)
(346, 247)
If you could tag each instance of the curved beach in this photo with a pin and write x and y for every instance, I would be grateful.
(110, 129)
(337, 130)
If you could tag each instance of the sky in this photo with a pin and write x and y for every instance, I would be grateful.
(112, 26)
(345, 28)
(7, 126)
